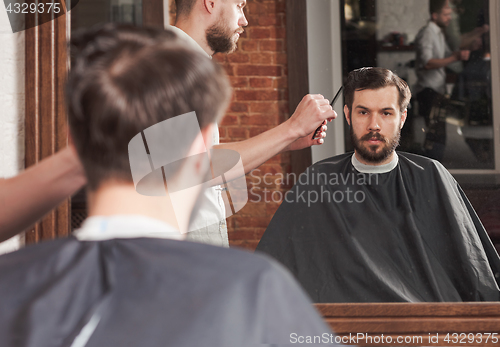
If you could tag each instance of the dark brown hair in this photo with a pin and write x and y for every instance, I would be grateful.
(125, 79)
(435, 6)
(375, 78)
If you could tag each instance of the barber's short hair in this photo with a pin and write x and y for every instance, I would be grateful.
(375, 78)
(125, 79)
(184, 7)
(435, 6)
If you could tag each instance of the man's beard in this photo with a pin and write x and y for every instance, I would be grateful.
(443, 25)
(370, 153)
(220, 39)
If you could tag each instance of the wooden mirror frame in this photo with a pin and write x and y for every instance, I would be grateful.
(377, 319)
(46, 66)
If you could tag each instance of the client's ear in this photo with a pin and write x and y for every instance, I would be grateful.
(347, 114)
(403, 118)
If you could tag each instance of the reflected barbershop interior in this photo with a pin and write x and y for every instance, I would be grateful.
(246, 172)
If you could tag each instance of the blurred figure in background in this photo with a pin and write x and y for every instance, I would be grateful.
(433, 55)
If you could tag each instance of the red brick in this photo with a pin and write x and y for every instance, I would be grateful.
(244, 221)
(275, 159)
(254, 8)
(242, 234)
(254, 208)
(238, 107)
(256, 95)
(280, 59)
(229, 69)
(229, 120)
(280, 6)
(249, 46)
(267, 21)
(220, 58)
(238, 58)
(258, 33)
(239, 82)
(249, 245)
(280, 83)
(258, 120)
(261, 58)
(222, 132)
(256, 189)
(283, 94)
(281, 20)
(283, 106)
(261, 82)
(236, 133)
(271, 45)
(230, 224)
(278, 33)
(258, 70)
(272, 169)
(264, 107)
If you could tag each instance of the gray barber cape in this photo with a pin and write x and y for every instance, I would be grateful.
(407, 235)
(147, 292)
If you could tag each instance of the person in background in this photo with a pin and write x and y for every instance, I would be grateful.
(433, 55)
(214, 26)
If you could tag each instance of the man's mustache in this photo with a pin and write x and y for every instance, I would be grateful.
(373, 135)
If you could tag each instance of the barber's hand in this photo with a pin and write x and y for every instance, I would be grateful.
(481, 30)
(311, 112)
(307, 141)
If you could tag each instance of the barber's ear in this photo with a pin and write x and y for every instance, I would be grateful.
(209, 5)
(403, 118)
(347, 114)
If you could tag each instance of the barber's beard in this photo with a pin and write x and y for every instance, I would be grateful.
(373, 153)
(220, 39)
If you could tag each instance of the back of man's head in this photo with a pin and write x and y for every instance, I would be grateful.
(375, 78)
(436, 6)
(125, 79)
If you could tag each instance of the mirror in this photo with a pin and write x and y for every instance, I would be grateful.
(473, 163)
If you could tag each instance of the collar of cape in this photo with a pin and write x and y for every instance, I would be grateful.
(375, 169)
(100, 228)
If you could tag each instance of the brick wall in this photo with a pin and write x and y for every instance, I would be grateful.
(258, 74)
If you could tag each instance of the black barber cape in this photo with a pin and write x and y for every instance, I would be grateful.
(149, 292)
(408, 235)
